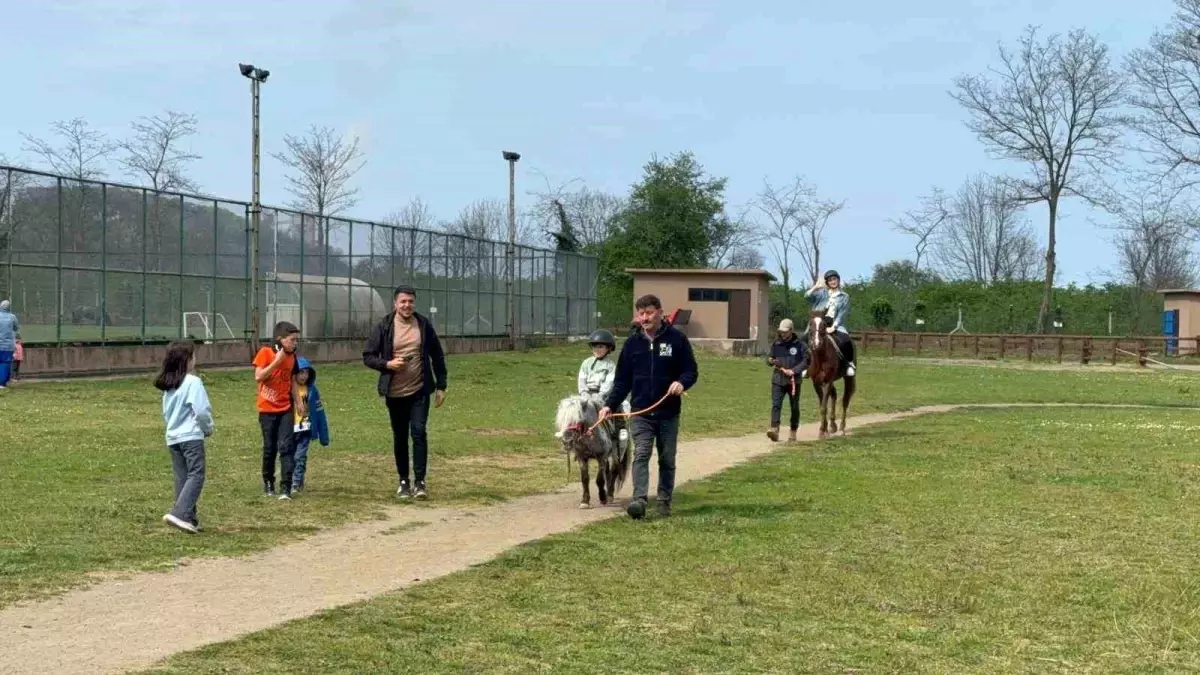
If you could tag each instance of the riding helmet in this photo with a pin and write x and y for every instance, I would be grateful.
(831, 274)
(602, 337)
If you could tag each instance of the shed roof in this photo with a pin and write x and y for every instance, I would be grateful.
(1180, 291)
(682, 272)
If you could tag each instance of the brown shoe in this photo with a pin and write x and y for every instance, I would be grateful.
(773, 434)
(792, 436)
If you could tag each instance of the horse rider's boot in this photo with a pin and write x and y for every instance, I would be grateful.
(792, 436)
(773, 434)
(850, 369)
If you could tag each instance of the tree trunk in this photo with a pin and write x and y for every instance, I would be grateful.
(787, 293)
(1048, 288)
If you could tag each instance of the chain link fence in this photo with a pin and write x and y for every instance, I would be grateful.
(96, 262)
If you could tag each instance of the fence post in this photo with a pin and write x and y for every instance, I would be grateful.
(919, 344)
(1029, 348)
(976, 346)
(950, 346)
(1141, 353)
(1058, 348)
(891, 344)
(1085, 351)
(1003, 347)
(1114, 351)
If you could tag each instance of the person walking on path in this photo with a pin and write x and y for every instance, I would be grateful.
(655, 364)
(310, 421)
(789, 356)
(189, 420)
(9, 326)
(404, 348)
(273, 368)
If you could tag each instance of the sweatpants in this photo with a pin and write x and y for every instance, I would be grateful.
(778, 392)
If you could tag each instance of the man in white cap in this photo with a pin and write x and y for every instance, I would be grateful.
(788, 358)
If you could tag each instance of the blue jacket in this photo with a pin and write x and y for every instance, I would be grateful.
(316, 408)
(646, 368)
(839, 311)
(187, 412)
(8, 331)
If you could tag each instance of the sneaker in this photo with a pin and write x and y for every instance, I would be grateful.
(773, 434)
(664, 509)
(850, 370)
(179, 523)
(269, 488)
(420, 492)
(404, 492)
(636, 509)
(196, 524)
(285, 495)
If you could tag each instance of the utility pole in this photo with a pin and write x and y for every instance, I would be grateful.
(511, 158)
(256, 76)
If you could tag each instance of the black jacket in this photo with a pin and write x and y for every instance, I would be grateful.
(378, 352)
(647, 367)
(791, 354)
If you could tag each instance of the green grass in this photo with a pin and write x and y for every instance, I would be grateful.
(977, 541)
(85, 479)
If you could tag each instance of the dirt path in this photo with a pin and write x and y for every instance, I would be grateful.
(131, 623)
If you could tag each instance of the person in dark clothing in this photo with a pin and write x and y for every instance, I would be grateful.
(655, 364)
(788, 358)
(406, 351)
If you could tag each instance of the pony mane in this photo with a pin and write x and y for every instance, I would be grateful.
(575, 410)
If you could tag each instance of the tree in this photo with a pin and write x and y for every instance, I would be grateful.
(881, 313)
(1165, 92)
(1155, 230)
(321, 164)
(488, 219)
(795, 224)
(153, 152)
(673, 216)
(983, 237)
(903, 275)
(736, 239)
(591, 213)
(1052, 104)
(80, 154)
(923, 222)
(746, 258)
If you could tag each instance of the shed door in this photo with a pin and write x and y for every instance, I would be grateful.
(1171, 329)
(739, 315)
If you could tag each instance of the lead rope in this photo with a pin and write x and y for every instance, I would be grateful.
(633, 413)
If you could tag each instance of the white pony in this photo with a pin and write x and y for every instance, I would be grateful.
(574, 424)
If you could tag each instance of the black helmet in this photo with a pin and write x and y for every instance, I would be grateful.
(831, 274)
(602, 337)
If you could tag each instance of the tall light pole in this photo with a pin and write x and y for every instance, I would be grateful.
(511, 158)
(256, 76)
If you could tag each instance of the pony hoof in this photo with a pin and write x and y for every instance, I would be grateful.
(585, 505)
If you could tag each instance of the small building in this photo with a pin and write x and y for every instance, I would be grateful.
(724, 309)
(1181, 318)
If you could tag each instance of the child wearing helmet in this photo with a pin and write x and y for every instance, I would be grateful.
(598, 372)
(828, 295)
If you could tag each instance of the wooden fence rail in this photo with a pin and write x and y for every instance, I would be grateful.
(1083, 348)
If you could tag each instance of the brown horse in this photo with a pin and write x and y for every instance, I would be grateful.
(826, 366)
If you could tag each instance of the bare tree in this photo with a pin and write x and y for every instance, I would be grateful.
(795, 224)
(1165, 92)
(740, 237)
(321, 164)
(983, 237)
(1053, 104)
(81, 152)
(154, 151)
(591, 213)
(746, 258)
(400, 241)
(1155, 232)
(923, 222)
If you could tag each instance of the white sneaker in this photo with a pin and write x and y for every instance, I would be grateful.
(179, 523)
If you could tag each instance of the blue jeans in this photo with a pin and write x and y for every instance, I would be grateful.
(303, 439)
(187, 463)
(5, 367)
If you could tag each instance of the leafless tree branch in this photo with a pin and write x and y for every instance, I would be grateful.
(321, 164)
(153, 152)
(80, 154)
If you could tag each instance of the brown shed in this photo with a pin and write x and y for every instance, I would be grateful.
(729, 309)
(1185, 303)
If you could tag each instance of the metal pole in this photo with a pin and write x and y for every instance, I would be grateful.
(512, 158)
(255, 221)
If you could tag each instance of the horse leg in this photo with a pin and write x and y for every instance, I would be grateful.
(586, 502)
(820, 390)
(833, 408)
(601, 478)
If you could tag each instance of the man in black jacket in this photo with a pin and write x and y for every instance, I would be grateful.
(655, 363)
(405, 349)
(789, 357)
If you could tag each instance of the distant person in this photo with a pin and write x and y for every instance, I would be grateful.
(789, 356)
(656, 364)
(273, 367)
(189, 420)
(310, 421)
(406, 351)
(8, 341)
(18, 357)
(829, 296)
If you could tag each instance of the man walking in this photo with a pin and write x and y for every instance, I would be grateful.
(406, 351)
(788, 358)
(8, 341)
(656, 362)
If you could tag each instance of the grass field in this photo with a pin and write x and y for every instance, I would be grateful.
(84, 477)
(976, 541)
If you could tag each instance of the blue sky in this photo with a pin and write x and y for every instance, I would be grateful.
(854, 97)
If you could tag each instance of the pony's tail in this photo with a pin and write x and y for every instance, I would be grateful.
(618, 463)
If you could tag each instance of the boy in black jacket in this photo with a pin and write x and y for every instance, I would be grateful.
(655, 363)
(789, 357)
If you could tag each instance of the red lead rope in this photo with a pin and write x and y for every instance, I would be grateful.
(634, 413)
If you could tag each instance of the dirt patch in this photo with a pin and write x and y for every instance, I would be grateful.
(508, 460)
(137, 619)
(502, 432)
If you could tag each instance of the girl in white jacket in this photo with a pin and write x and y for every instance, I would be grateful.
(598, 372)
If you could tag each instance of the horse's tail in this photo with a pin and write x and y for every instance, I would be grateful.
(618, 463)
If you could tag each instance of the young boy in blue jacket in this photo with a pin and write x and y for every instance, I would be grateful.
(309, 415)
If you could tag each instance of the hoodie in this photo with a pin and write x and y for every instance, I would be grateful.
(316, 407)
(647, 366)
(187, 412)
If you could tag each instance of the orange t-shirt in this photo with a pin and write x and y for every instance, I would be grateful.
(275, 392)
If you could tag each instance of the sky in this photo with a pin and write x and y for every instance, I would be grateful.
(854, 98)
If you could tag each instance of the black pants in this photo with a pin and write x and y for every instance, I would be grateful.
(408, 415)
(278, 440)
(846, 345)
(778, 391)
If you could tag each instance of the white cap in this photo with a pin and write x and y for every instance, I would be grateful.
(785, 325)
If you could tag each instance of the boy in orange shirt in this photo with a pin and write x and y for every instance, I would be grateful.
(273, 367)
